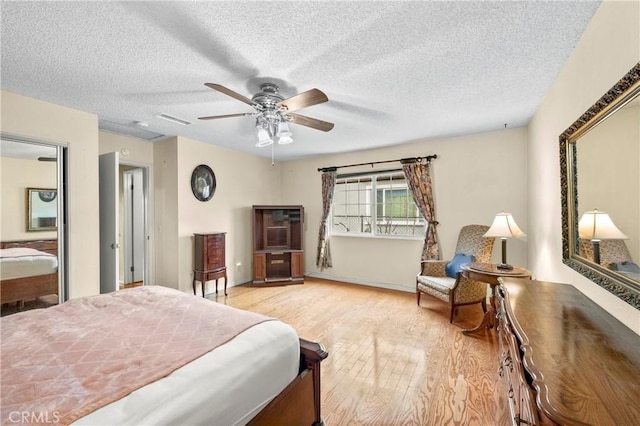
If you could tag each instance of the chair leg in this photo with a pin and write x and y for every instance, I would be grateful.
(418, 296)
(484, 306)
(451, 314)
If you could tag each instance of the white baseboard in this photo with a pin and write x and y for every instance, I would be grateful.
(388, 286)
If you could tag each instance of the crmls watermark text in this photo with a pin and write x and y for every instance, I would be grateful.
(27, 417)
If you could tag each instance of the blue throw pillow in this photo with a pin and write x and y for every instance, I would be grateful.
(452, 268)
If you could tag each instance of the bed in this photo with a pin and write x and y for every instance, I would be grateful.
(28, 270)
(154, 355)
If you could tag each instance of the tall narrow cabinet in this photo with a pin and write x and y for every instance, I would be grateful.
(277, 245)
(209, 260)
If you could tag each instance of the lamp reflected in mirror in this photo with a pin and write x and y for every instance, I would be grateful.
(504, 226)
(597, 226)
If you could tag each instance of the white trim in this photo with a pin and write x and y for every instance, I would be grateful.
(388, 286)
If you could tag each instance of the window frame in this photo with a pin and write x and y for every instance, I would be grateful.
(375, 184)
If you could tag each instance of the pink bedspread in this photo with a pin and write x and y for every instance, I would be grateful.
(61, 363)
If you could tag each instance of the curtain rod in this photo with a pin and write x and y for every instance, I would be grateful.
(427, 159)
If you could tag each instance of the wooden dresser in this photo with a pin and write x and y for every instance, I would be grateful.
(564, 359)
(209, 260)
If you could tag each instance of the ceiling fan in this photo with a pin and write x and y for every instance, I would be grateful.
(273, 111)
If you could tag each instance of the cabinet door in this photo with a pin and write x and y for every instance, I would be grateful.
(297, 264)
(259, 266)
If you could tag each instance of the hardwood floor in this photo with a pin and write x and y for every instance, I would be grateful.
(390, 361)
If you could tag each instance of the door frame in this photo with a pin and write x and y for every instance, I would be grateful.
(145, 170)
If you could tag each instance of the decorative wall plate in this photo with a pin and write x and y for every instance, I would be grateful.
(203, 182)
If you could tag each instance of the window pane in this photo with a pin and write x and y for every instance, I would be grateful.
(395, 212)
(350, 211)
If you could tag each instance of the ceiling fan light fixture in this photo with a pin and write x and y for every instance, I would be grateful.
(283, 130)
(284, 140)
(264, 139)
(273, 111)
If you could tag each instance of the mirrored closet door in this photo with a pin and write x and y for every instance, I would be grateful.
(33, 231)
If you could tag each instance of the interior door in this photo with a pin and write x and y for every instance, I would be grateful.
(109, 246)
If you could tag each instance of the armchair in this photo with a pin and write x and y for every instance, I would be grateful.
(455, 288)
(611, 251)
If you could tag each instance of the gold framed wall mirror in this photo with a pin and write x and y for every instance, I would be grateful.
(600, 173)
(42, 209)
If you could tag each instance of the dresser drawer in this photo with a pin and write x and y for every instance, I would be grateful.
(520, 396)
(209, 251)
(215, 241)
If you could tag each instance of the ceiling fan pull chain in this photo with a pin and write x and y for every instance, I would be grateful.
(273, 163)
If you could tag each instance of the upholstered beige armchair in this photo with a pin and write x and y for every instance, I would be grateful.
(442, 279)
(611, 251)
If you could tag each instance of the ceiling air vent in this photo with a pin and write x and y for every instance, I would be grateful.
(173, 119)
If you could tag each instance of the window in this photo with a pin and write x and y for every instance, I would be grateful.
(376, 204)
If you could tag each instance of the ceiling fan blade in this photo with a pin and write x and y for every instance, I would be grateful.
(303, 100)
(214, 117)
(229, 92)
(314, 123)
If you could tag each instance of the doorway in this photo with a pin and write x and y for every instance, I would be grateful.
(134, 226)
(125, 223)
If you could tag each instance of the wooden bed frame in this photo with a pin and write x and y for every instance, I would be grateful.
(27, 288)
(299, 402)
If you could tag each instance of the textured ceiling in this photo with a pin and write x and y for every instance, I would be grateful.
(394, 71)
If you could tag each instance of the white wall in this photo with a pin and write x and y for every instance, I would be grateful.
(474, 178)
(31, 118)
(608, 49)
(16, 176)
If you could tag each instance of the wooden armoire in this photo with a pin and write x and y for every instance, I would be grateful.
(277, 245)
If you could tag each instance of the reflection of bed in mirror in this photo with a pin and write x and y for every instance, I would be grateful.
(29, 270)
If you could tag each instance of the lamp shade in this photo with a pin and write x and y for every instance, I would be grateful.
(597, 225)
(504, 226)
(283, 140)
(283, 129)
(263, 138)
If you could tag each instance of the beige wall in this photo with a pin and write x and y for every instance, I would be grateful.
(474, 178)
(131, 150)
(242, 181)
(608, 49)
(31, 118)
(16, 175)
(165, 154)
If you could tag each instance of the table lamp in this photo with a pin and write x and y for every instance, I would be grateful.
(503, 227)
(596, 226)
